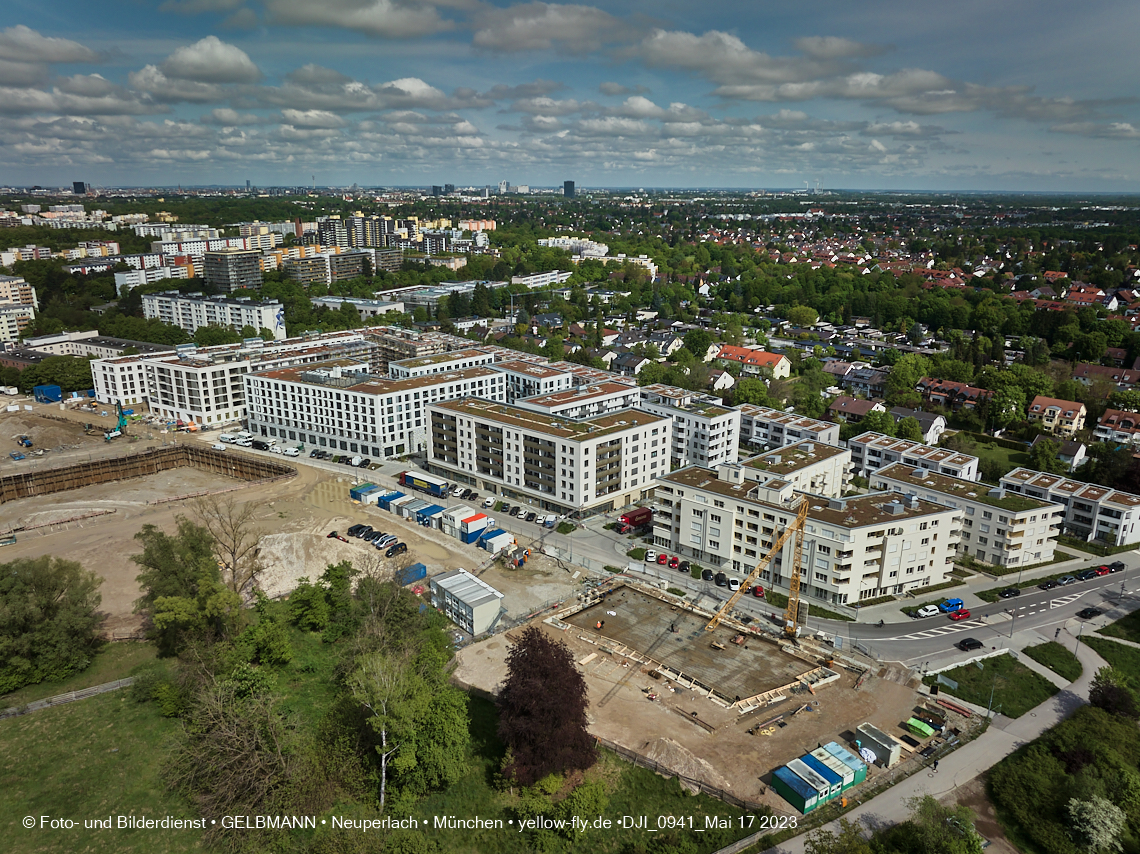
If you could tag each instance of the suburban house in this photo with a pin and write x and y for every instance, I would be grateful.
(629, 364)
(1060, 417)
(752, 362)
(867, 382)
(720, 380)
(933, 426)
(1118, 426)
(951, 395)
(1120, 377)
(852, 409)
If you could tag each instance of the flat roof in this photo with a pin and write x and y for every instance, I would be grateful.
(1075, 488)
(579, 394)
(564, 428)
(965, 490)
(372, 385)
(438, 358)
(534, 369)
(467, 588)
(883, 442)
(855, 512)
(792, 458)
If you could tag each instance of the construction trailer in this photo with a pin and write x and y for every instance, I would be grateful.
(845, 774)
(857, 765)
(834, 781)
(887, 750)
(795, 790)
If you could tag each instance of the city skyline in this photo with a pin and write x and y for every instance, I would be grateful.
(379, 92)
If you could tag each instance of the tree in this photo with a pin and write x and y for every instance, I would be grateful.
(905, 375)
(909, 428)
(878, 422)
(848, 840)
(235, 538)
(1007, 406)
(544, 728)
(267, 640)
(1111, 691)
(1127, 400)
(802, 315)
(48, 620)
(1097, 823)
(750, 390)
(1043, 457)
(697, 342)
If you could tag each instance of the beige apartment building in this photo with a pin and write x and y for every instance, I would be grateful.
(1060, 417)
(854, 548)
(810, 466)
(998, 527)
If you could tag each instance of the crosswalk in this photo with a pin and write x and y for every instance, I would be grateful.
(1023, 611)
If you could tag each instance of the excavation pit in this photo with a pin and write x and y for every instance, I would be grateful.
(670, 638)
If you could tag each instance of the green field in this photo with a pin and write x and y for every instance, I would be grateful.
(1057, 658)
(1007, 458)
(113, 661)
(1126, 628)
(1124, 658)
(90, 759)
(1016, 688)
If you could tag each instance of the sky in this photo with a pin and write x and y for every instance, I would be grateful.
(982, 95)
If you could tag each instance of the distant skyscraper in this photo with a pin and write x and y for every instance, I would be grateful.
(436, 190)
(80, 188)
(247, 183)
(448, 188)
(568, 189)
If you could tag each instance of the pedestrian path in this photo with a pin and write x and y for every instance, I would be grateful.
(1003, 737)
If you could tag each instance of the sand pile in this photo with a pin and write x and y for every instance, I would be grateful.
(289, 557)
(679, 760)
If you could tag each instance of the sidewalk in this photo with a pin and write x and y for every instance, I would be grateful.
(956, 769)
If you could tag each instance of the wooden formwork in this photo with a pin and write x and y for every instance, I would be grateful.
(153, 461)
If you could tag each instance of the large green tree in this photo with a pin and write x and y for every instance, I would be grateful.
(48, 620)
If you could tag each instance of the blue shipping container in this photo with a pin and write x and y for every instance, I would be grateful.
(48, 394)
(415, 572)
(794, 790)
(833, 779)
(386, 501)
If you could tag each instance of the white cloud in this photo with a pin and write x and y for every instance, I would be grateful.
(151, 80)
(22, 44)
(536, 89)
(378, 18)
(211, 60)
(617, 89)
(227, 117)
(312, 118)
(22, 73)
(1100, 130)
(549, 26)
(834, 47)
(546, 106)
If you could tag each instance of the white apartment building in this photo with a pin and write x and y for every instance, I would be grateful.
(543, 280)
(772, 428)
(368, 309)
(197, 248)
(439, 363)
(15, 290)
(339, 406)
(853, 548)
(204, 384)
(584, 401)
(809, 466)
(873, 451)
(592, 465)
(998, 527)
(1092, 512)
(190, 311)
(128, 279)
(14, 319)
(704, 432)
(528, 379)
(90, 343)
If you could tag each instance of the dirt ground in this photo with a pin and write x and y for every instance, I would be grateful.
(669, 728)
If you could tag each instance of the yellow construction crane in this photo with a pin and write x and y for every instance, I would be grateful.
(791, 614)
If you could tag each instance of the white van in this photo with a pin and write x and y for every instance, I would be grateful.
(227, 438)
(218, 447)
(275, 449)
(292, 452)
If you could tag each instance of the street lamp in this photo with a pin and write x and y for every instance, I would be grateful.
(1077, 645)
(1012, 620)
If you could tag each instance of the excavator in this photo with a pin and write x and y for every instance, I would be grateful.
(792, 612)
(120, 427)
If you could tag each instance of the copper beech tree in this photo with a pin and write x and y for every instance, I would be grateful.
(542, 710)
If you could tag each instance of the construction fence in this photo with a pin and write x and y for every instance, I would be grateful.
(141, 464)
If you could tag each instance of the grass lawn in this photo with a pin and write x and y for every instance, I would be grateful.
(779, 600)
(113, 661)
(1057, 658)
(1126, 628)
(1123, 658)
(89, 759)
(1007, 458)
(1017, 689)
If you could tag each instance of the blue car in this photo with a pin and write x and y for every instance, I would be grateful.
(951, 605)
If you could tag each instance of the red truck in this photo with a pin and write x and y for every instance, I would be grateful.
(638, 517)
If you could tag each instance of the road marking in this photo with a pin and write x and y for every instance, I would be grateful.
(1065, 600)
(942, 630)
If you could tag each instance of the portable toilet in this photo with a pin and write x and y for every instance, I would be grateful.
(812, 778)
(835, 781)
(794, 789)
(857, 765)
(846, 775)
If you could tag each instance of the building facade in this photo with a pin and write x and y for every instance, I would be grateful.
(191, 311)
(231, 270)
(705, 433)
(873, 451)
(1092, 512)
(771, 428)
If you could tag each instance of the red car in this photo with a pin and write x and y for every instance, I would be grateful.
(1102, 570)
(662, 559)
(960, 614)
(674, 562)
(758, 591)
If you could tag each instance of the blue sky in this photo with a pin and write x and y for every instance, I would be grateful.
(971, 95)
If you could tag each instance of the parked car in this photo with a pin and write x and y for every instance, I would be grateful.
(364, 532)
(927, 611)
(354, 530)
(720, 579)
(1087, 575)
(474, 496)
(530, 516)
(1102, 570)
(951, 605)
(650, 556)
(489, 501)
(684, 566)
(365, 463)
(397, 549)
(662, 559)
(276, 449)
(960, 614)
(516, 510)
(550, 522)
(313, 454)
(674, 562)
(734, 584)
(386, 540)
(706, 575)
(1089, 613)
(1116, 566)
(217, 446)
(1047, 584)
(1065, 579)
(1010, 592)
(758, 591)
(967, 644)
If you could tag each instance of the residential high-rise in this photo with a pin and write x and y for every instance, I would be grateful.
(233, 269)
(332, 231)
(80, 188)
(568, 189)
